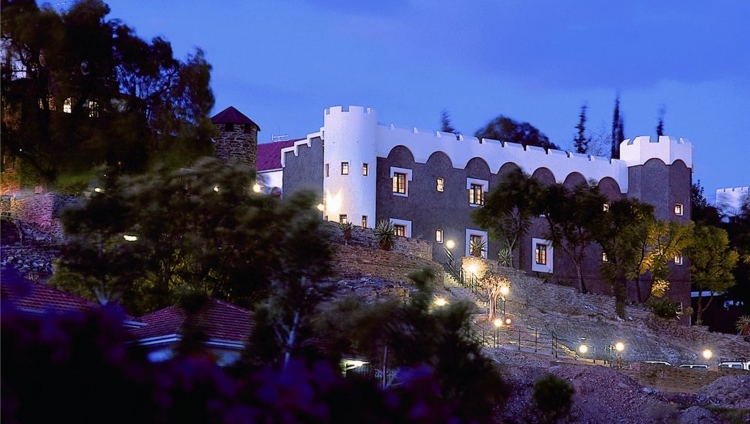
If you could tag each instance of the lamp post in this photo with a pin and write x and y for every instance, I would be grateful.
(707, 354)
(498, 323)
(619, 348)
(504, 290)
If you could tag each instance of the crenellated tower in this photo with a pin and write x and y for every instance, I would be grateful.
(660, 173)
(350, 159)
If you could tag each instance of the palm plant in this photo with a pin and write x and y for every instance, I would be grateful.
(385, 235)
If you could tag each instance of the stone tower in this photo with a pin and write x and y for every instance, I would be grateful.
(238, 136)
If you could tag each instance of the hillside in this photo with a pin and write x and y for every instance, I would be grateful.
(637, 393)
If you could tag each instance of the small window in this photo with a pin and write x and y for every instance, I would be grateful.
(68, 105)
(228, 127)
(328, 170)
(678, 209)
(605, 207)
(679, 307)
(604, 257)
(365, 169)
(438, 235)
(440, 184)
(399, 183)
(476, 245)
(540, 254)
(93, 109)
(344, 168)
(364, 221)
(678, 259)
(476, 194)
(342, 219)
(399, 230)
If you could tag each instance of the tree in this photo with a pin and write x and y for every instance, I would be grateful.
(581, 143)
(78, 89)
(665, 241)
(202, 228)
(700, 210)
(503, 128)
(495, 284)
(711, 264)
(620, 233)
(445, 123)
(568, 214)
(407, 336)
(660, 125)
(509, 209)
(618, 131)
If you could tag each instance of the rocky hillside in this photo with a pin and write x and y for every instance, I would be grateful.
(636, 393)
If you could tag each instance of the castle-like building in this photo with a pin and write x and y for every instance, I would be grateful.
(427, 183)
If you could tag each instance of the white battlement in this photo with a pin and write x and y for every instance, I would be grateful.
(356, 127)
(639, 150)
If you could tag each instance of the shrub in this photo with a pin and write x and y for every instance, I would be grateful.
(553, 398)
(664, 308)
(346, 230)
(385, 235)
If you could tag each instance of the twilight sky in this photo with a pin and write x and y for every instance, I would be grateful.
(282, 62)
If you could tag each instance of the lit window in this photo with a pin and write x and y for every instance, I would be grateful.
(476, 245)
(678, 259)
(440, 185)
(605, 207)
(439, 235)
(604, 257)
(68, 105)
(364, 221)
(342, 219)
(678, 209)
(540, 254)
(399, 183)
(476, 194)
(365, 169)
(93, 109)
(328, 170)
(399, 230)
(344, 168)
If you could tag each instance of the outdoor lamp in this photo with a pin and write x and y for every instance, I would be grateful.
(619, 346)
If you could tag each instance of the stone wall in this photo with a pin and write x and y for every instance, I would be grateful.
(677, 380)
(365, 237)
(40, 210)
(237, 144)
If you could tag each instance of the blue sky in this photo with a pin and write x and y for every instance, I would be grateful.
(282, 62)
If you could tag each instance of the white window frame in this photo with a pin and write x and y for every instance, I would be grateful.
(439, 235)
(549, 266)
(485, 188)
(678, 260)
(405, 223)
(679, 209)
(471, 232)
(408, 173)
(440, 184)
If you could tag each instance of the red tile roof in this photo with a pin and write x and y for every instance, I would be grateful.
(231, 115)
(269, 154)
(37, 297)
(220, 320)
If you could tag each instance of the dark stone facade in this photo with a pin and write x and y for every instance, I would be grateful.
(304, 171)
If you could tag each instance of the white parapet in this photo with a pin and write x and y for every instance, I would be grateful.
(641, 149)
